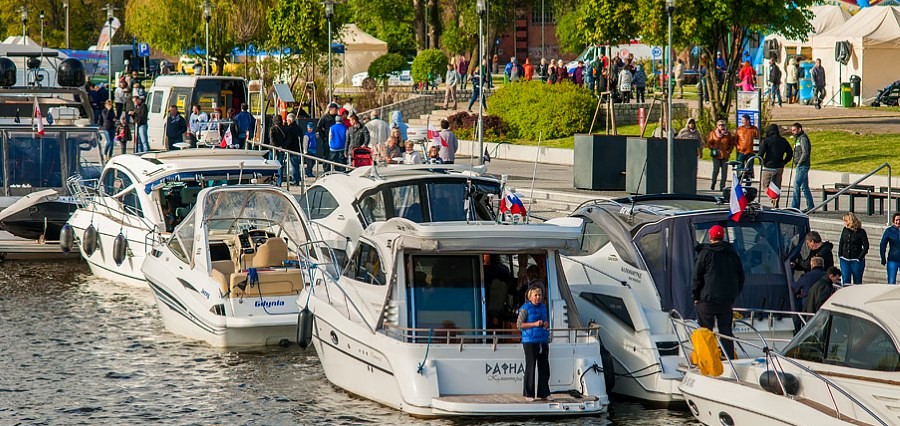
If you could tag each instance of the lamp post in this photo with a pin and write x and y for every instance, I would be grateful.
(23, 11)
(66, 7)
(329, 15)
(481, 8)
(670, 8)
(207, 15)
(543, 54)
(109, 20)
(42, 33)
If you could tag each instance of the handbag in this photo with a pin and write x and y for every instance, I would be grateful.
(714, 153)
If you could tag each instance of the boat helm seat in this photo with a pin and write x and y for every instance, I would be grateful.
(271, 253)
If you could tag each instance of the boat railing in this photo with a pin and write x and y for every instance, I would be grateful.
(81, 190)
(490, 336)
(304, 158)
(342, 295)
(86, 194)
(316, 249)
(773, 359)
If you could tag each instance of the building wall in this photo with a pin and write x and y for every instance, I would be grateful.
(522, 38)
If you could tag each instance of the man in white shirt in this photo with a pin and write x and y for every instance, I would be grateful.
(197, 123)
(449, 143)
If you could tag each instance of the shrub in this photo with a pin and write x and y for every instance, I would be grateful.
(559, 110)
(465, 127)
(386, 64)
(428, 62)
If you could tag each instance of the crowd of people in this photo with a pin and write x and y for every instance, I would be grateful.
(117, 115)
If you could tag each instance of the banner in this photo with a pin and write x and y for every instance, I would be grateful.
(95, 62)
(748, 103)
(107, 32)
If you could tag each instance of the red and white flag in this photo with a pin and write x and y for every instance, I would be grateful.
(773, 191)
(36, 115)
(434, 135)
(227, 140)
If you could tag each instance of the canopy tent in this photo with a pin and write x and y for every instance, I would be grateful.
(874, 36)
(15, 49)
(824, 19)
(360, 49)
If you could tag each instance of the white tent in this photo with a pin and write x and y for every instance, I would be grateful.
(15, 49)
(360, 49)
(824, 19)
(874, 34)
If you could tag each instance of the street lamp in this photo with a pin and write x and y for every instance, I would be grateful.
(670, 8)
(543, 54)
(42, 33)
(207, 15)
(329, 15)
(481, 8)
(66, 7)
(109, 20)
(24, 14)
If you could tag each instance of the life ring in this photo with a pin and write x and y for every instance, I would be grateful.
(706, 354)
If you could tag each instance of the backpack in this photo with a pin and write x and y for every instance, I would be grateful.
(361, 156)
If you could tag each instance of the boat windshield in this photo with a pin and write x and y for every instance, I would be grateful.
(437, 201)
(845, 340)
(33, 161)
(470, 291)
(230, 212)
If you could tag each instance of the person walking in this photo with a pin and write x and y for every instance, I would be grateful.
(562, 73)
(774, 82)
(310, 142)
(639, 81)
(746, 135)
(747, 78)
(534, 321)
(822, 290)
(476, 92)
(462, 70)
(792, 80)
(175, 128)
(528, 69)
(292, 144)
(543, 70)
(278, 138)
(451, 80)
(890, 243)
(720, 143)
(552, 76)
(108, 124)
(679, 77)
(357, 136)
(802, 153)
(197, 123)
(690, 132)
(513, 71)
(817, 74)
(852, 249)
(449, 143)
(717, 281)
(775, 152)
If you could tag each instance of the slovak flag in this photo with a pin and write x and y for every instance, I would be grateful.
(738, 201)
(226, 140)
(37, 116)
(773, 191)
(434, 135)
(511, 203)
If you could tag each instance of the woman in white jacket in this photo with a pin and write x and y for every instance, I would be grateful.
(625, 78)
(791, 80)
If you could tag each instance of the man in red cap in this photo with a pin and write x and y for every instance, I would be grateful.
(718, 279)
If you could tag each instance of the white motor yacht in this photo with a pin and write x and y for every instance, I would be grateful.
(423, 320)
(842, 368)
(635, 265)
(231, 272)
(343, 205)
(139, 199)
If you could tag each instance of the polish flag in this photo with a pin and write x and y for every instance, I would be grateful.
(434, 135)
(738, 201)
(226, 140)
(773, 191)
(37, 116)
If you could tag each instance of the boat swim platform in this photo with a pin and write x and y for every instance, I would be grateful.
(561, 404)
(19, 249)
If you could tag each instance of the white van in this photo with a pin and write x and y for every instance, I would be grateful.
(211, 93)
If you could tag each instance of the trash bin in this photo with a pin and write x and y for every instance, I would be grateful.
(855, 84)
(846, 95)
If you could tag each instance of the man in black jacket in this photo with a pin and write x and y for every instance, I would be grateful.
(815, 247)
(718, 279)
(293, 144)
(775, 152)
(822, 290)
(322, 128)
(801, 287)
(175, 128)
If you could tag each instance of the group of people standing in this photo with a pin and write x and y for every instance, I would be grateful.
(117, 115)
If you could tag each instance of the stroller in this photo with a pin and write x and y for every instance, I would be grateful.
(361, 156)
(889, 96)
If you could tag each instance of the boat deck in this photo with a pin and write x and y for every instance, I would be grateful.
(561, 404)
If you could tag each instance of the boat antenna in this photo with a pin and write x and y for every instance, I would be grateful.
(502, 194)
(240, 172)
(468, 200)
(534, 175)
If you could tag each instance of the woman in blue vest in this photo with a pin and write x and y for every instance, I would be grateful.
(535, 325)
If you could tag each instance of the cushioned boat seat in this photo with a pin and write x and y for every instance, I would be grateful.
(272, 282)
(271, 253)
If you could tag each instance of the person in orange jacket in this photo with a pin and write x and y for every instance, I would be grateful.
(746, 134)
(720, 143)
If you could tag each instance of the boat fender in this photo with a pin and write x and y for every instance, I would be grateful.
(706, 353)
(304, 328)
(120, 247)
(609, 373)
(90, 240)
(66, 238)
(769, 382)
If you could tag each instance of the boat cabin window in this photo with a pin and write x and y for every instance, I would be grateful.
(372, 208)
(177, 200)
(428, 202)
(34, 162)
(318, 203)
(115, 181)
(447, 201)
(593, 238)
(845, 340)
(132, 203)
(470, 291)
(365, 265)
(407, 203)
(182, 241)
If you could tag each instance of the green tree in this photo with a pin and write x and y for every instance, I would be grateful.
(302, 26)
(384, 65)
(387, 20)
(86, 20)
(712, 25)
(428, 63)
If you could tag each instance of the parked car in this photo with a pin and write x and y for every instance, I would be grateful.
(402, 78)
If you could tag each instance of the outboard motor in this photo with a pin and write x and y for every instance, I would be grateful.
(120, 247)
(7, 72)
(70, 73)
(66, 238)
(90, 240)
(304, 328)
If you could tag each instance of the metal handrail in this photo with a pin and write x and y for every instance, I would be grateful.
(852, 186)
(304, 157)
(462, 335)
(776, 356)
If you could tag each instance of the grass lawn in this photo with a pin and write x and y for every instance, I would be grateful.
(831, 150)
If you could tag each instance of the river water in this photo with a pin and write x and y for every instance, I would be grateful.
(75, 349)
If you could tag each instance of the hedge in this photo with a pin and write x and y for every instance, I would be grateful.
(559, 110)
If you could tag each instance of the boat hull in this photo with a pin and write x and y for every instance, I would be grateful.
(39, 221)
(101, 261)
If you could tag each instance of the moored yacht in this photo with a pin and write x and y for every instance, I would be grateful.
(423, 320)
(842, 368)
(635, 265)
(343, 205)
(139, 199)
(231, 271)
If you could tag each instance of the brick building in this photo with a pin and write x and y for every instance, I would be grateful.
(522, 38)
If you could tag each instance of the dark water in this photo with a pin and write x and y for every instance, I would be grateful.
(79, 350)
